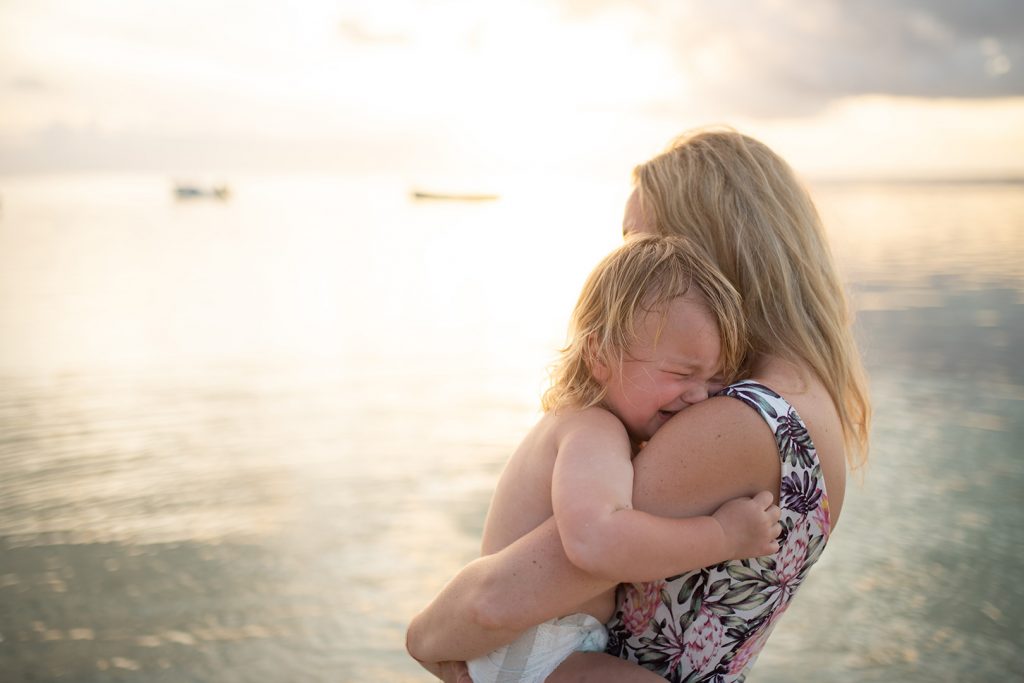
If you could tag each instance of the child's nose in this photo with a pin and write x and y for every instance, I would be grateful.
(695, 393)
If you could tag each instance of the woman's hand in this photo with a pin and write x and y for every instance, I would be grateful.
(751, 525)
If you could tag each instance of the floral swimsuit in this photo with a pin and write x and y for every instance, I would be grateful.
(709, 625)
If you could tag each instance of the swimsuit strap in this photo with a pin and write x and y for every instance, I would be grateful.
(766, 402)
(803, 484)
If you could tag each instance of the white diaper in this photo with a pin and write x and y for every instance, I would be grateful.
(539, 651)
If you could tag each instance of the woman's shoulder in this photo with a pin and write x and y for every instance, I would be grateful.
(722, 421)
(713, 451)
(800, 413)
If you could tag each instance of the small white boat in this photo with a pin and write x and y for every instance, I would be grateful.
(186, 191)
(454, 197)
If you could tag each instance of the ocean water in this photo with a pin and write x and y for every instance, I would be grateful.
(247, 440)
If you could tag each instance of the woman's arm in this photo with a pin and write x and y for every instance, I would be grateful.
(495, 597)
(705, 455)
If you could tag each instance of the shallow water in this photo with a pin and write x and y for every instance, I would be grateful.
(247, 440)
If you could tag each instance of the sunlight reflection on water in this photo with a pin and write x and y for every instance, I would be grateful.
(248, 440)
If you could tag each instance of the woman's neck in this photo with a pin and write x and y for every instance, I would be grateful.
(787, 376)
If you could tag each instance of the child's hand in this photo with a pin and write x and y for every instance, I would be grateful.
(751, 526)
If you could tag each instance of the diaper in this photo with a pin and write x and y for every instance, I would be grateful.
(539, 651)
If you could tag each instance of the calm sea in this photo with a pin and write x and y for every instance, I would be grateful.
(246, 440)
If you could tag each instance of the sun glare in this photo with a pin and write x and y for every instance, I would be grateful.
(511, 87)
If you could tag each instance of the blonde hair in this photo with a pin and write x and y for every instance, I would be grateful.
(641, 276)
(744, 206)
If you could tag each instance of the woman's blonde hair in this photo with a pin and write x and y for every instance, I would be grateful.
(744, 206)
(641, 276)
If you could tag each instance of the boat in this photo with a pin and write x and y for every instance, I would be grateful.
(454, 197)
(187, 191)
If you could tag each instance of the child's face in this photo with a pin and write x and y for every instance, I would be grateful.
(658, 379)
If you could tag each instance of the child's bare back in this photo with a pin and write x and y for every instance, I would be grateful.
(522, 498)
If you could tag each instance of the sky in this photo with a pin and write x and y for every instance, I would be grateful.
(842, 89)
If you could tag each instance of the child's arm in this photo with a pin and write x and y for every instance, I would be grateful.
(591, 493)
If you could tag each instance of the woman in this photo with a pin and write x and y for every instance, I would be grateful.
(742, 204)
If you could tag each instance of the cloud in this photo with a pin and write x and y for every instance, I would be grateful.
(793, 57)
(512, 80)
(915, 48)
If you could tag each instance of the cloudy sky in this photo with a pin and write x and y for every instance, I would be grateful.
(873, 87)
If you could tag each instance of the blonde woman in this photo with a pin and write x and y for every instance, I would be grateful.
(792, 426)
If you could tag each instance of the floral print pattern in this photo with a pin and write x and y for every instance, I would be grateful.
(639, 603)
(709, 625)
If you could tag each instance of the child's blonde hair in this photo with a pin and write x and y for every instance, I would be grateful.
(641, 276)
(743, 204)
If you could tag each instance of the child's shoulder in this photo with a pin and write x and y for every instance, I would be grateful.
(593, 420)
